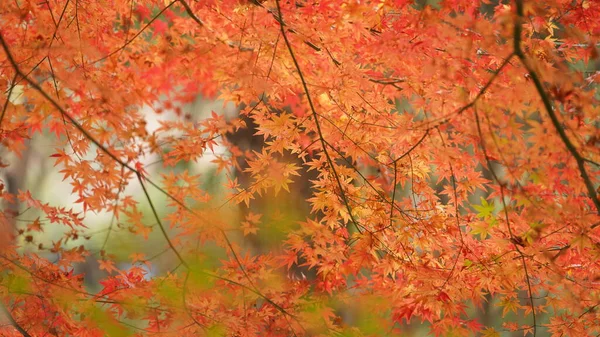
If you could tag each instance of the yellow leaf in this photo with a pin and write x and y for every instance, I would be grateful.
(490, 332)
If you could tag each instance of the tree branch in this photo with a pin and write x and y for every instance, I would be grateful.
(550, 110)
(13, 322)
(316, 118)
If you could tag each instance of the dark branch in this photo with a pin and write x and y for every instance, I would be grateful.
(316, 118)
(13, 322)
(550, 110)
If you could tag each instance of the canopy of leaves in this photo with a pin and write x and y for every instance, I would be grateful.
(453, 148)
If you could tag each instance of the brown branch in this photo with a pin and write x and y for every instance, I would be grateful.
(518, 30)
(550, 110)
(388, 81)
(324, 143)
(506, 218)
(191, 14)
(13, 84)
(456, 216)
(13, 322)
(279, 19)
(57, 24)
(160, 224)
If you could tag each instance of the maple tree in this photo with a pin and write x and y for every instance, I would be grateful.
(452, 149)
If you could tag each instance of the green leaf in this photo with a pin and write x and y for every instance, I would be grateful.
(485, 210)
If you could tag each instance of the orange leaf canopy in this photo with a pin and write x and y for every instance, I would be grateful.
(419, 161)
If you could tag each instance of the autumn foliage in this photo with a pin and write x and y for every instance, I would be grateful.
(448, 153)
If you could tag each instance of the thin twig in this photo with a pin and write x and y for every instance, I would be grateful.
(506, 218)
(316, 118)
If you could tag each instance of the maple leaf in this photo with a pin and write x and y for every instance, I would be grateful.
(107, 265)
(244, 196)
(249, 228)
(485, 209)
(140, 169)
(142, 12)
(159, 27)
(490, 332)
(404, 312)
(61, 157)
(509, 304)
(35, 226)
(289, 259)
(481, 228)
